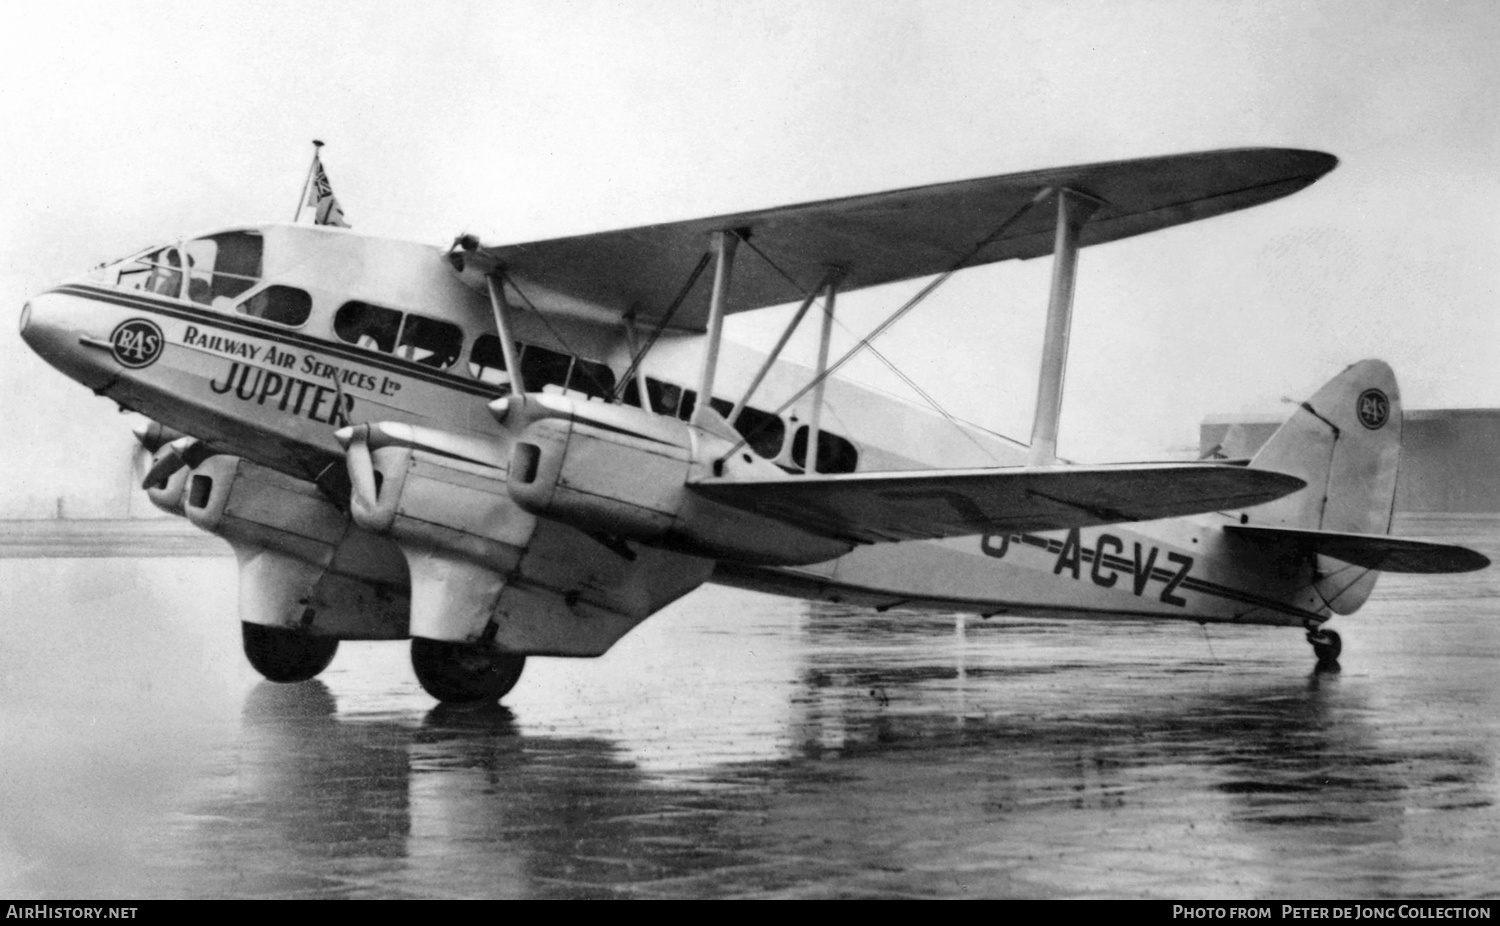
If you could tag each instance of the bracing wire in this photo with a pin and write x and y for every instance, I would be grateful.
(587, 370)
(865, 342)
(666, 319)
(925, 396)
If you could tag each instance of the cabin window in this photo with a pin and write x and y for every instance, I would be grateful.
(763, 431)
(223, 267)
(835, 454)
(430, 342)
(487, 361)
(670, 399)
(284, 305)
(369, 326)
(542, 367)
(592, 379)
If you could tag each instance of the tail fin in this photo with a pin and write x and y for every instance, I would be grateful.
(1345, 443)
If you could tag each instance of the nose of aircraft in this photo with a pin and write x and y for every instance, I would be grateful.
(62, 330)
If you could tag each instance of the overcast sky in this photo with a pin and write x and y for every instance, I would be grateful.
(129, 123)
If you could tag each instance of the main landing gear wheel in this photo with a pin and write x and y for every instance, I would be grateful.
(464, 673)
(1327, 645)
(285, 655)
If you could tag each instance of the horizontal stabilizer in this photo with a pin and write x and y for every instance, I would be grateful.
(1371, 551)
(877, 507)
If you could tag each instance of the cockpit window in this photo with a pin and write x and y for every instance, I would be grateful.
(214, 270)
(368, 326)
(430, 342)
(158, 272)
(223, 266)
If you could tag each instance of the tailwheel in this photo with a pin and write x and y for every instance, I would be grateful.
(286, 655)
(1327, 645)
(462, 673)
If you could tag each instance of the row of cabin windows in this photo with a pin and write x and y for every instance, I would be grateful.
(410, 336)
(218, 269)
(540, 367)
(763, 431)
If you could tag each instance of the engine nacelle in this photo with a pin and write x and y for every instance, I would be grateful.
(441, 496)
(619, 482)
(625, 472)
(303, 563)
(436, 490)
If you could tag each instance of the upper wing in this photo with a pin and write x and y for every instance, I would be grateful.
(1371, 551)
(898, 235)
(874, 507)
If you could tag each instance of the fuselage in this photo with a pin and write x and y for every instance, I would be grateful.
(264, 342)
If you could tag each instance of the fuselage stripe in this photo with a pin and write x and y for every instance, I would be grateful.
(268, 332)
(1202, 586)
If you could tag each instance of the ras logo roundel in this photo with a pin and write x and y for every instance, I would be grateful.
(136, 343)
(1374, 409)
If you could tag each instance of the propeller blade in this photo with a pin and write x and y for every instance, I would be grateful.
(174, 455)
(153, 434)
(168, 462)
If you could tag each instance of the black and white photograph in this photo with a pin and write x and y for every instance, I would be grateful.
(1010, 450)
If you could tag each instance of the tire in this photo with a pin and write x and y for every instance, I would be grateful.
(1326, 644)
(464, 673)
(286, 656)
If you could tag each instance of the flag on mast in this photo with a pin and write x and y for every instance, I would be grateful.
(319, 195)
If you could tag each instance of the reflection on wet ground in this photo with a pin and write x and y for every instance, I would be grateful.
(741, 745)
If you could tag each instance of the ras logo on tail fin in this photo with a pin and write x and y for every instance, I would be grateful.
(1374, 409)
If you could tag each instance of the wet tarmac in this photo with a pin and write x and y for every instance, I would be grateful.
(739, 745)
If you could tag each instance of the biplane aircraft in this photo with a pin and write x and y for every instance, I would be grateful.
(510, 450)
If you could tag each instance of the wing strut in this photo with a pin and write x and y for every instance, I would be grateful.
(724, 243)
(503, 329)
(786, 335)
(1020, 211)
(1073, 210)
(815, 420)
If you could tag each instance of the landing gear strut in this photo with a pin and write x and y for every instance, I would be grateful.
(464, 672)
(285, 655)
(1326, 646)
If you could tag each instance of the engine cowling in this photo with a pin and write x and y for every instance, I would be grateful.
(303, 565)
(625, 472)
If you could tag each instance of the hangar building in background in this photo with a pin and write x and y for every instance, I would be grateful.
(1450, 457)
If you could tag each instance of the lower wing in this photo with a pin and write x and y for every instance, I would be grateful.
(880, 507)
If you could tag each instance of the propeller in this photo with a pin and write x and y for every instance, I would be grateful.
(150, 437)
(140, 458)
(172, 456)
